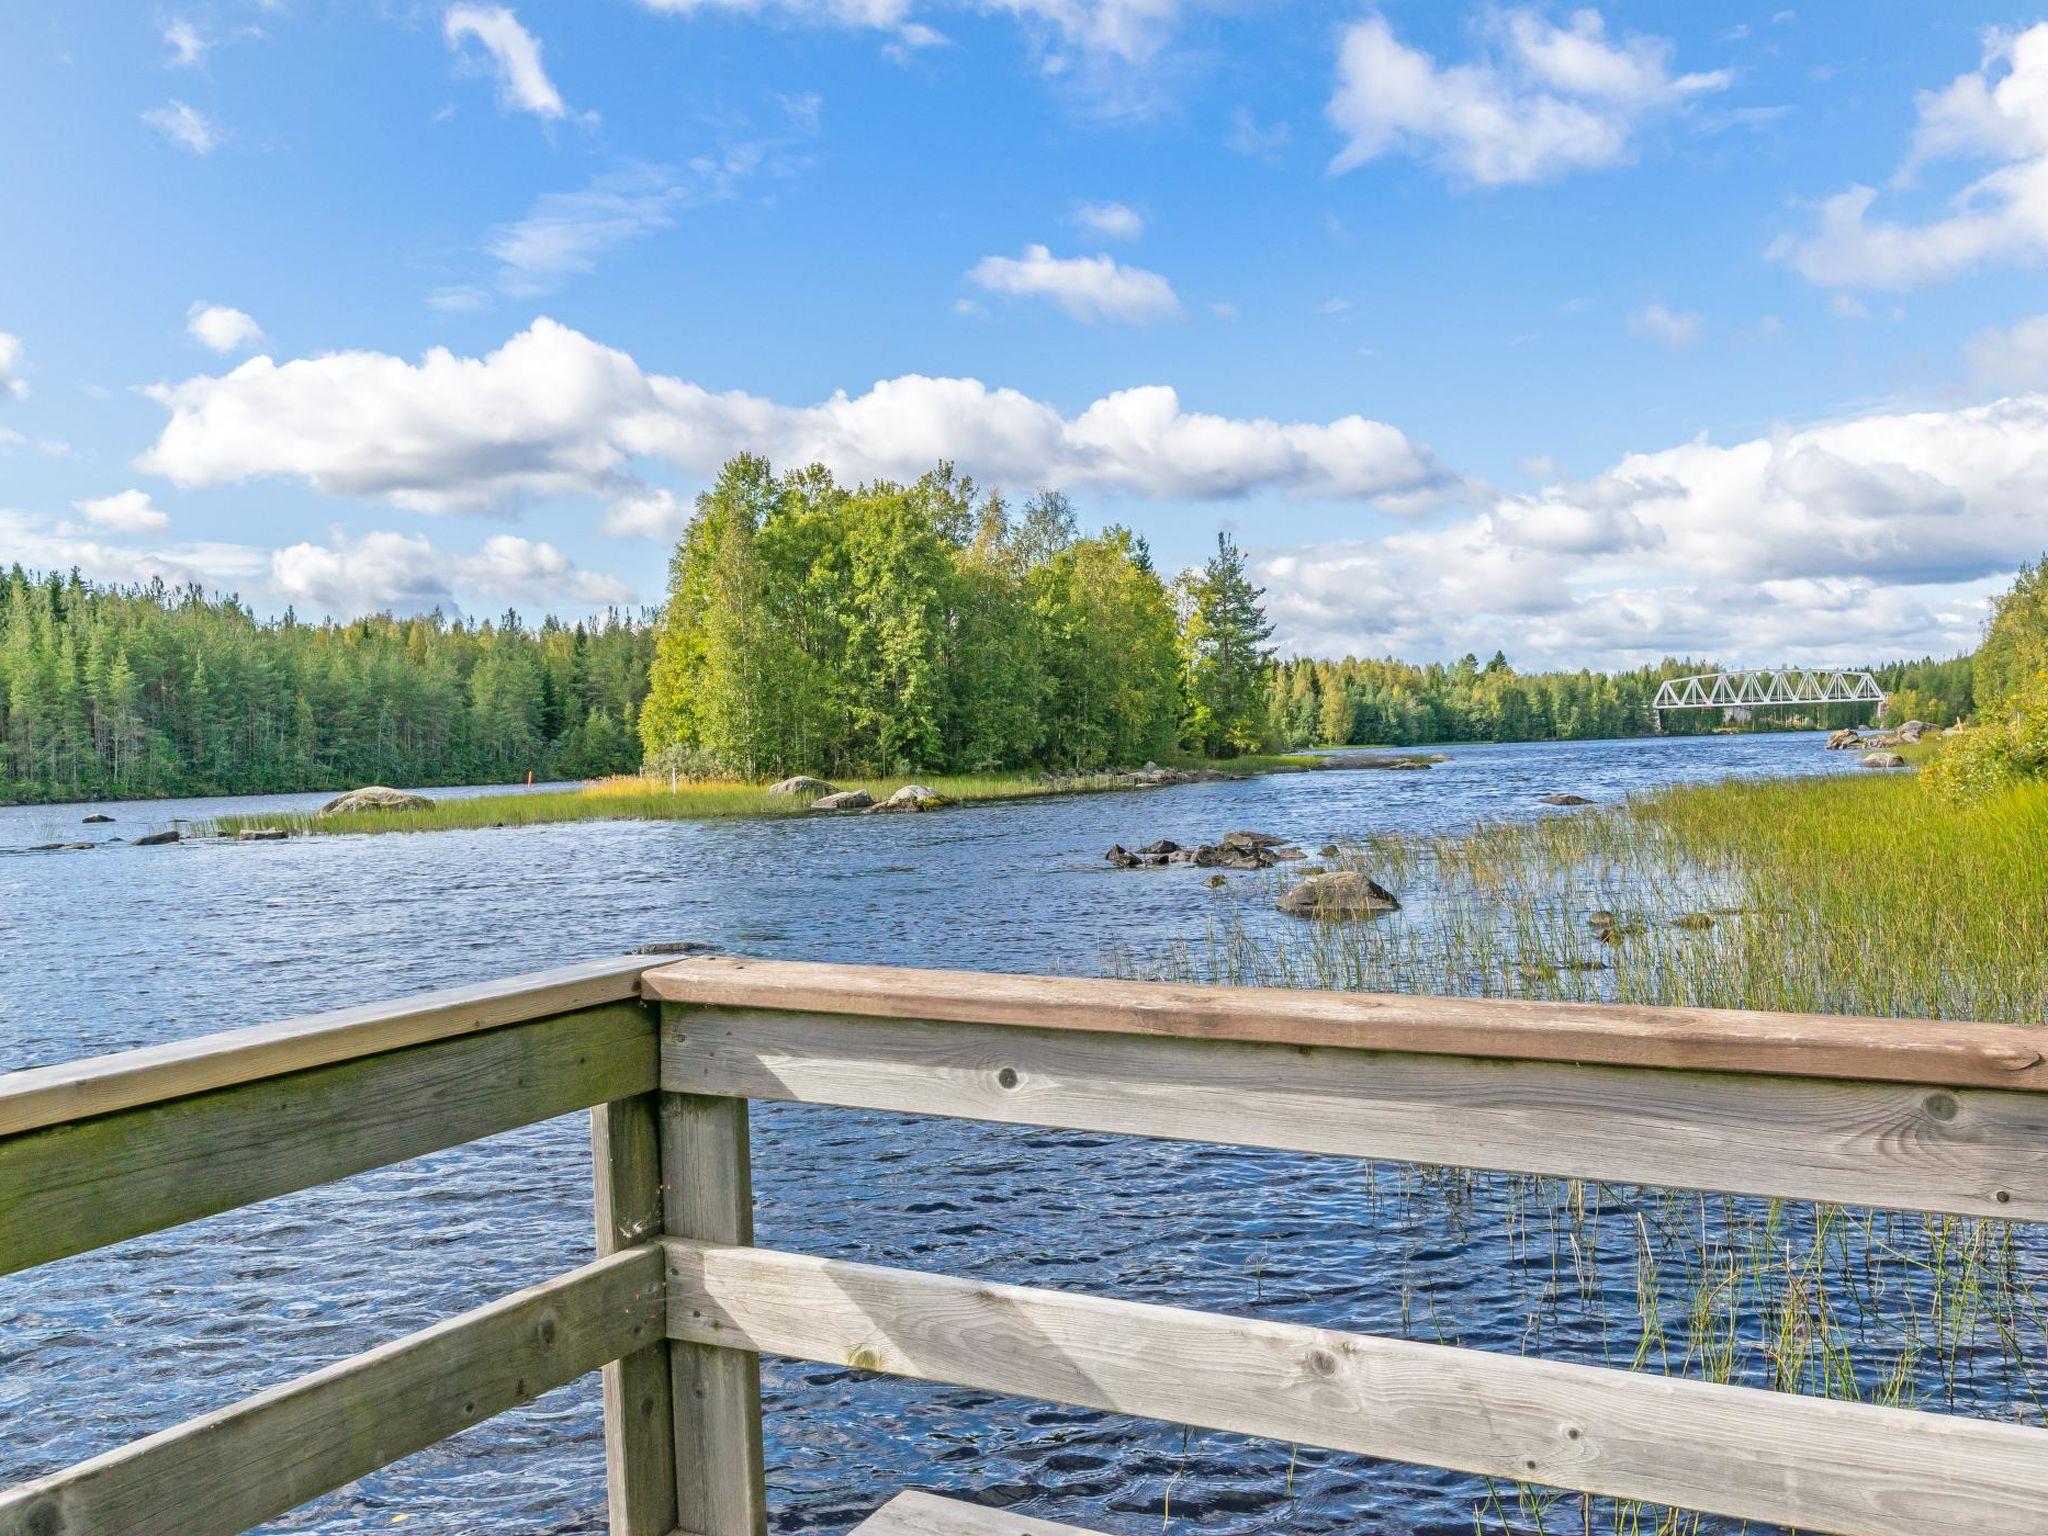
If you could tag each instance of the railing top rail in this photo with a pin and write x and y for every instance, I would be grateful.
(1956, 1054)
(99, 1085)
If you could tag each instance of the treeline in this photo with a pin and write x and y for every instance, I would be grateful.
(110, 692)
(2008, 744)
(814, 627)
(1332, 703)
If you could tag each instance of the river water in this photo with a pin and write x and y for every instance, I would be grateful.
(118, 947)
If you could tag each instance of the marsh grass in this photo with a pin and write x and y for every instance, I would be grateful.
(1852, 894)
(636, 798)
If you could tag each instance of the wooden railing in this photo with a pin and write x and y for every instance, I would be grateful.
(679, 1305)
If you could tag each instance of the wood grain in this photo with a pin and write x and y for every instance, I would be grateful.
(915, 1513)
(1820, 1466)
(100, 1085)
(1946, 1053)
(708, 1183)
(248, 1463)
(1972, 1152)
(67, 1188)
(639, 1432)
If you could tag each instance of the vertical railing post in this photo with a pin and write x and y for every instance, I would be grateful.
(639, 1408)
(708, 1193)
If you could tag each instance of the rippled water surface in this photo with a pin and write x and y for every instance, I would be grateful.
(118, 946)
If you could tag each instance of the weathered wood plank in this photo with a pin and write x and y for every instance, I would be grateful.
(1973, 1152)
(67, 1188)
(639, 1435)
(1951, 1053)
(258, 1458)
(708, 1180)
(916, 1513)
(100, 1085)
(1816, 1465)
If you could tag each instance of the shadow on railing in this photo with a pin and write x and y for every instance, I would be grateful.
(1949, 1118)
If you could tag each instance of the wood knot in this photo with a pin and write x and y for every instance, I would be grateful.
(1007, 1078)
(1941, 1106)
(1322, 1362)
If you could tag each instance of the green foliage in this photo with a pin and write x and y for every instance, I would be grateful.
(2009, 743)
(1223, 648)
(120, 692)
(2014, 654)
(813, 628)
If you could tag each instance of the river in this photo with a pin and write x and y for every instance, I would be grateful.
(119, 946)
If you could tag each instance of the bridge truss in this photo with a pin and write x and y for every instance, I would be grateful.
(1762, 686)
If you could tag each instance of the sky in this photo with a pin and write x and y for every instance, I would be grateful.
(1591, 334)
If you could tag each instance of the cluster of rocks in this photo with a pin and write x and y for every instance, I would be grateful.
(910, 798)
(1233, 850)
(1566, 800)
(1151, 776)
(1385, 762)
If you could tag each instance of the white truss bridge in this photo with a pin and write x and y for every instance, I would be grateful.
(1762, 686)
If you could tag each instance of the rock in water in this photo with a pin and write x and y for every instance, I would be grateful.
(155, 839)
(1841, 740)
(1244, 842)
(1164, 845)
(1343, 894)
(1120, 857)
(1883, 760)
(844, 800)
(1911, 731)
(1222, 856)
(261, 835)
(1566, 800)
(96, 818)
(802, 784)
(375, 797)
(912, 797)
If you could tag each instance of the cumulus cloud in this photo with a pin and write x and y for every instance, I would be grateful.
(12, 384)
(185, 126)
(554, 413)
(129, 511)
(221, 327)
(40, 544)
(1109, 221)
(403, 573)
(1676, 329)
(646, 512)
(513, 54)
(2016, 358)
(1877, 535)
(1998, 113)
(1089, 288)
(1541, 101)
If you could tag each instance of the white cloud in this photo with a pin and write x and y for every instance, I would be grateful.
(128, 511)
(1543, 101)
(1248, 138)
(1109, 221)
(523, 84)
(2012, 359)
(40, 545)
(12, 384)
(1676, 329)
(554, 413)
(1998, 112)
(403, 573)
(1087, 287)
(186, 127)
(1876, 535)
(187, 43)
(220, 327)
(646, 512)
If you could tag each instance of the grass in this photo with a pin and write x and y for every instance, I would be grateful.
(1852, 894)
(634, 798)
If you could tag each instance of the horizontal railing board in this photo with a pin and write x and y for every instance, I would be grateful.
(252, 1461)
(1820, 1466)
(100, 1085)
(916, 1513)
(68, 1188)
(1948, 1054)
(1973, 1152)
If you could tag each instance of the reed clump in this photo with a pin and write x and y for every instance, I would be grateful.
(1849, 894)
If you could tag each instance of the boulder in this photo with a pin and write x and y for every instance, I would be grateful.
(97, 818)
(156, 839)
(1164, 845)
(1249, 840)
(912, 797)
(1566, 800)
(844, 800)
(1883, 760)
(1911, 731)
(1121, 857)
(1218, 856)
(802, 784)
(1215, 882)
(60, 847)
(1842, 740)
(1344, 894)
(1327, 851)
(261, 835)
(375, 797)
(1289, 854)
(1384, 761)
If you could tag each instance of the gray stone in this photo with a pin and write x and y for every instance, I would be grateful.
(1883, 760)
(261, 835)
(97, 818)
(844, 800)
(1341, 895)
(1842, 740)
(156, 839)
(912, 797)
(1566, 800)
(375, 797)
(802, 784)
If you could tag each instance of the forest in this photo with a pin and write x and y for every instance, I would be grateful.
(808, 627)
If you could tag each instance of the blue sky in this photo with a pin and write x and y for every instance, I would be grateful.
(1596, 334)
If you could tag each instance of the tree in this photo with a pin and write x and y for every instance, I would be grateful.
(1223, 646)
